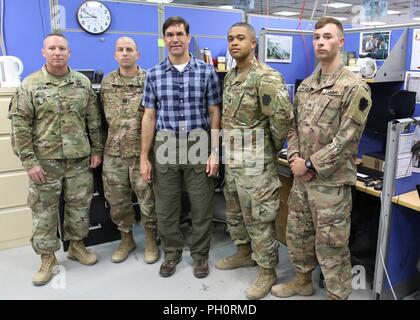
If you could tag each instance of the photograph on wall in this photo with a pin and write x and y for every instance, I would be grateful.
(278, 48)
(291, 91)
(375, 45)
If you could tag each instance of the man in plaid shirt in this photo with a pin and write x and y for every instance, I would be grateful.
(181, 100)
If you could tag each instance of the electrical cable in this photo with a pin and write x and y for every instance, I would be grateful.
(386, 272)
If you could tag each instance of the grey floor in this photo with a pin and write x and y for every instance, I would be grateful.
(134, 279)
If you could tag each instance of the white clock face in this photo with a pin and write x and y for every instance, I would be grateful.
(94, 17)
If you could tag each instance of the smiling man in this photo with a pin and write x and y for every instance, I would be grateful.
(331, 109)
(181, 98)
(54, 115)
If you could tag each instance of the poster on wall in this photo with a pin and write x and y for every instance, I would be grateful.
(278, 48)
(415, 52)
(375, 45)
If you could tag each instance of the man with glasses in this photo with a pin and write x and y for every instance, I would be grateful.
(181, 100)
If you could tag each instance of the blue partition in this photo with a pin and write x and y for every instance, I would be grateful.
(126, 17)
(403, 245)
(25, 25)
(102, 58)
(302, 56)
(205, 21)
(210, 33)
(303, 61)
(263, 22)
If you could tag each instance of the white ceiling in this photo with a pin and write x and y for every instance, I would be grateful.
(351, 13)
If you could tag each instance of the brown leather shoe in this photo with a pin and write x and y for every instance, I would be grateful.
(168, 267)
(201, 268)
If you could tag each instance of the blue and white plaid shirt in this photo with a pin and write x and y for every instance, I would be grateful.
(181, 99)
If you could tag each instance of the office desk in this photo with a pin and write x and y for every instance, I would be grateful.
(410, 200)
(360, 186)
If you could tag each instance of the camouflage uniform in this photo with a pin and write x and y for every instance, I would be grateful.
(256, 99)
(330, 116)
(52, 121)
(121, 169)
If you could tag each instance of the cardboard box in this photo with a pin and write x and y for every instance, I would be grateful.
(374, 161)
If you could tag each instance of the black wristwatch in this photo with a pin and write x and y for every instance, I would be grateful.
(309, 165)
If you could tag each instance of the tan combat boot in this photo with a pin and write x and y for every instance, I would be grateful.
(300, 285)
(262, 286)
(45, 272)
(151, 249)
(331, 296)
(78, 251)
(127, 245)
(242, 258)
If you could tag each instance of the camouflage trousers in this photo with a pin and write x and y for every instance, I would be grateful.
(318, 230)
(252, 204)
(121, 176)
(75, 178)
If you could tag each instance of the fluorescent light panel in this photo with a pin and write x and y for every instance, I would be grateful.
(393, 12)
(340, 18)
(373, 23)
(226, 7)
(337, 5)
(160, 1)
(286, 13)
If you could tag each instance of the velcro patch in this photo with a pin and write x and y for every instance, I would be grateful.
(363, 104)
(331, 92)
(266, 99)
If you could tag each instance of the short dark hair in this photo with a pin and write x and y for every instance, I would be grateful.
(174, 20)
(322, 22)
(56, 34)
(247, 26)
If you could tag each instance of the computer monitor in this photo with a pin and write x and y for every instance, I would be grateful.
(89, 73)
(389, 102)
(379, 114)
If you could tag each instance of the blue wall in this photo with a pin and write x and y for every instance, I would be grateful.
(25, 24)
(302, 53)
(208, 26)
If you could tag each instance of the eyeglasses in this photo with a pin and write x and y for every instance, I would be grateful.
(179, 35)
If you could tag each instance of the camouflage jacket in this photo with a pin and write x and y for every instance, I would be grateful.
(123, 111)
(54, 118)
(258, 100)
(330, 116)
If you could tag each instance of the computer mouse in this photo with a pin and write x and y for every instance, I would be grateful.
(369, 183)
(378, 185)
